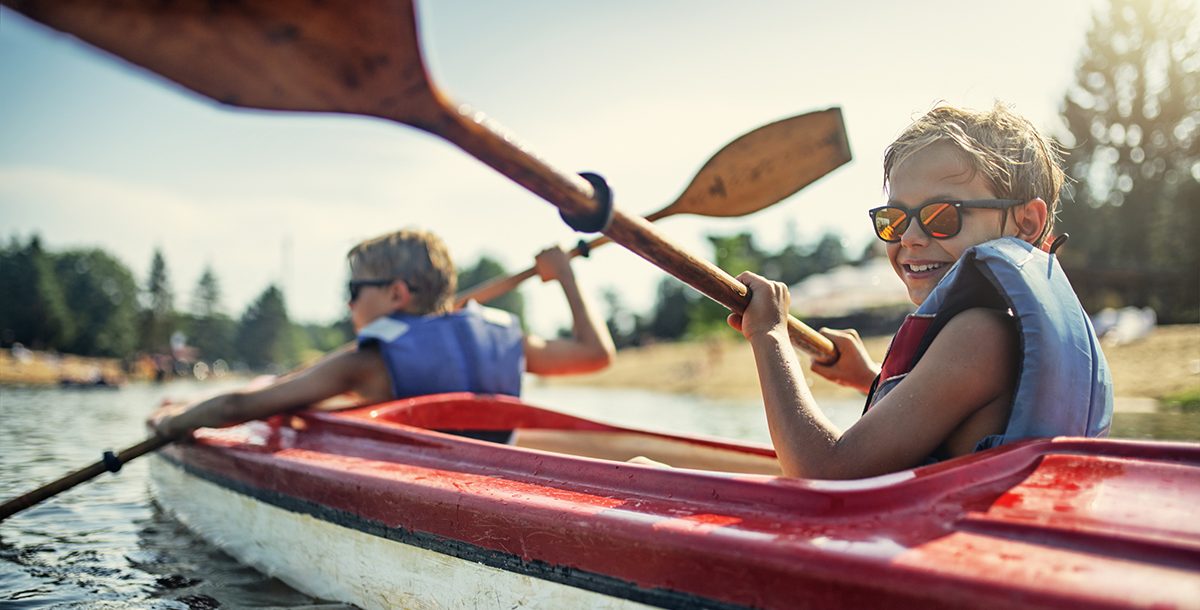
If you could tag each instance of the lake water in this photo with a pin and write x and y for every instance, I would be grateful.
(106, 545)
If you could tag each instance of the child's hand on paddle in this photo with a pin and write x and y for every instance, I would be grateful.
(163, 420)
(768, 308)
(552, 264)
(854, 367)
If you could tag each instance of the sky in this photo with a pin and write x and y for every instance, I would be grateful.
(97, 153)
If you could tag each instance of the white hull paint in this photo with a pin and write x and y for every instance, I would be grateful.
(339, 563)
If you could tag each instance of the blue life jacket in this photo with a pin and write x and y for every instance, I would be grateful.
(475, 349)
(1064, 387)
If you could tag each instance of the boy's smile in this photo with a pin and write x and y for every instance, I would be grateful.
(937, 172)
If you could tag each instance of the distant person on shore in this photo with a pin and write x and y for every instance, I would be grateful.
(411, 342)
(999, 348)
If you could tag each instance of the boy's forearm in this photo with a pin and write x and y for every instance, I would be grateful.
(804, 439)
(214, 412)
(586, 328)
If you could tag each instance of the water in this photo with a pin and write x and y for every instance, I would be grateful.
(106, 545)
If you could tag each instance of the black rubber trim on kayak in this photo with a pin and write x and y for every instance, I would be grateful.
(580, 579)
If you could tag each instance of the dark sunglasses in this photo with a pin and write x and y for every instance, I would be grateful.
(939, 219)
(356, 286)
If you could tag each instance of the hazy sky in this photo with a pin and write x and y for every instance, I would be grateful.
(94, 152)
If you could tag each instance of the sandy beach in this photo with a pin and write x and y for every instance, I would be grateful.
(1163, 364)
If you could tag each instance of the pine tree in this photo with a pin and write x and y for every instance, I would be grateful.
(264, 335)
(210, 331)
(33, 310)
(158, 312)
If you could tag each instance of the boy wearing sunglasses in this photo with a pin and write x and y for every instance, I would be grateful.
(412, 342)
(999, 348)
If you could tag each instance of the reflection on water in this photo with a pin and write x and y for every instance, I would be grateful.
(105, 545)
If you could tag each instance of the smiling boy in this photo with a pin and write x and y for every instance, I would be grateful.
(411, 342)
(999, 348)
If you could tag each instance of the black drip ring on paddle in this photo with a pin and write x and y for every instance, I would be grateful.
(111, 462)
(585, 249)
(598, 220)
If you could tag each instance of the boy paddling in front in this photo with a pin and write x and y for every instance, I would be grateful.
(999, 348)
(411, 342)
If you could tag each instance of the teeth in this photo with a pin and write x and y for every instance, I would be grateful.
(921, 268)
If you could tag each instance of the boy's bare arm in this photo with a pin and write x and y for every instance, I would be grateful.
(590, 347)
(958, 393)
(351, 371)
(963, 383)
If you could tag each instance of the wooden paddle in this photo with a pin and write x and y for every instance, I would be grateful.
(363, 58)
(358, 58)
(733, 182)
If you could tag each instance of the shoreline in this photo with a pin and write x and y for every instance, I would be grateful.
(1145, 372)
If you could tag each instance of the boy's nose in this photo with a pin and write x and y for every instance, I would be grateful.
(913, 234)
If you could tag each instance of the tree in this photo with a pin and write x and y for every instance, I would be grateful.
(101, 295)
(264, 335)
(210, 331)
(485, 269)
(32, 310)
(1133, 121)
(158, 312)
(671, 309)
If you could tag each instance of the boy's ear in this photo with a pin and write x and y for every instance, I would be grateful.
(1030, 219)
(400, 295)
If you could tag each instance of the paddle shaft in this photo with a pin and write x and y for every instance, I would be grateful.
(86, 473)
(494, 288)
(574, 196)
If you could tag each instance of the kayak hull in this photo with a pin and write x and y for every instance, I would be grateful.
(393, 506)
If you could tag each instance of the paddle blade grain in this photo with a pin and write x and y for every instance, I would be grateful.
(767, 165)
(300, 55)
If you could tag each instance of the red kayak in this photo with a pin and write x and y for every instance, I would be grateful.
(462, 500)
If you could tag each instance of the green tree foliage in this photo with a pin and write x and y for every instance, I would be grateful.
(735, 254)
(157, 320)
(264, 336)
(101, 295)
(671, 309)
(34, 311)
(485, 269)
(625, 326)
(209, 329)
(1133, 119)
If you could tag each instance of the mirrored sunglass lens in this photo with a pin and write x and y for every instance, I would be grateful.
(890, 223)
(940, 219)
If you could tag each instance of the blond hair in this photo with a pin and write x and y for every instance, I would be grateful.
(417, 257)
(1015, 159)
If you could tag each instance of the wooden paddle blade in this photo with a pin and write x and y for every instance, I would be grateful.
(361, 57)
(767, 165)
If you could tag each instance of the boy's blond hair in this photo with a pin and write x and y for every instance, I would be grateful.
(1015, 159)
(417, 257)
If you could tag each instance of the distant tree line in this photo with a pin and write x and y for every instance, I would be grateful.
(87, 302)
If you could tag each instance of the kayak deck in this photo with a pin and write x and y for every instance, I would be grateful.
(1049, 523)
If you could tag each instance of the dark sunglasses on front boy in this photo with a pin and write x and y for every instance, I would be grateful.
(939, 219)
(355, 286)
